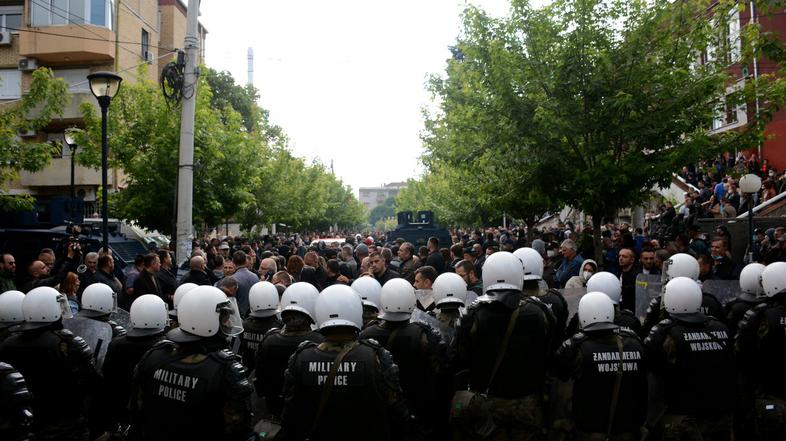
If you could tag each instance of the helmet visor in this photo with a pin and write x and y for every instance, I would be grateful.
(229, 317)
(65, 308)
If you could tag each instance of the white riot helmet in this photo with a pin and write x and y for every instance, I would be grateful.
(204, 312)
(750, 281)
(608, 284)
(449, 289)
(11, 308)
(773, 279)
(531, 261)
(682, 299)
(42, 306)
(148, 316)
(263, 299)
(98, 299)
(339, 305)
(502, 271)
(398, 300)
(300, 297)
(596, 312)
(370, 291)
(680, 265)
(179, 293)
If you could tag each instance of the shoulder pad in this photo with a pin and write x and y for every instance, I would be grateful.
(423, 326)
(371, 343)
(627, 312)
(64, 334)
(304, 345)
(225, 355)
(532, 299)
(665, 323)
(625, 332)
(578, 338)
(761, 307)
(555, 292)
(271, 331)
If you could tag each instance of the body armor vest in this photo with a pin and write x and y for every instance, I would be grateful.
(254, 330)
(122, 357)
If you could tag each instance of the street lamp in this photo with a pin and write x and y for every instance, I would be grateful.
(750, 184)
(104, 86)
(70, 140)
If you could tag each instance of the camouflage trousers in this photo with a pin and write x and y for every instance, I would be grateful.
(689, 428)
(506, 420)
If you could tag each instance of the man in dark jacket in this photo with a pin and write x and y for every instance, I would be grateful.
(379, 270)
(147, 283)
(196, 273)
(435, 258)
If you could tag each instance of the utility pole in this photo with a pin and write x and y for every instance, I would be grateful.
(185, 176)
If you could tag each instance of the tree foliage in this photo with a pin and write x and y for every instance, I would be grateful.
(588, 103)
(243, 171)
(45, 99)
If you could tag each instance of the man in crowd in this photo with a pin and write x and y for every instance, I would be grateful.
(7, 273)
(435, 258)
(466, 270)
(628, 272)
(197, 273)
(409, 262)
(379, 270)
(245, 279)
(571, 262)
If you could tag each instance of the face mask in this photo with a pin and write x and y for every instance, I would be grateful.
(551, 253)
(586, 274)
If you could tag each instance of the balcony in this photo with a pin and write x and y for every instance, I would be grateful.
(58, 174)
(72, 44)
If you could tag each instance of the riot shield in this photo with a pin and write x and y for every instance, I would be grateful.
(572, 297)
(121, 317)
(97, 334)
(648, 286)
(423, 317)
(723, 290)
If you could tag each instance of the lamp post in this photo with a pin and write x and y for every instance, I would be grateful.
(104, 86)
(70, 140)
(750, 184)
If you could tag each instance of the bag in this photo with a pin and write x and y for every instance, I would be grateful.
(770, 415)
(469, 411)
(267, 428)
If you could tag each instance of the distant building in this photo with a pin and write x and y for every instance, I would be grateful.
(371, 197)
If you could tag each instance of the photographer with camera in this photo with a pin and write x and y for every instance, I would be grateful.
(39, 271)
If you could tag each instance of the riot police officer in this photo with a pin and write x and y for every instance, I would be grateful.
(52, 358)
(691, 361)
(15, 414)
(512, 375)
(148, 324)
(751, 294)
(681, 265)
(263, 303)
(609, 284)
(450, 294)
(189, 386)
(419, 353)
(297, 311)
(342, 388)
(761, 349)
(10, 312)
(609, 373)
(532, 263)
(98, 303)
(369, 290)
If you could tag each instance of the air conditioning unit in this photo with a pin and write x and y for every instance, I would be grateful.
(5, 38)
(27, 133)
(148, 57)
(28, 64)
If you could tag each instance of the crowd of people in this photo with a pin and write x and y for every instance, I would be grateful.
(373, 337)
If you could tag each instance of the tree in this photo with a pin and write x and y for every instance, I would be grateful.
(589, 103)
(382, 211)
(45, 99)
(144, 139)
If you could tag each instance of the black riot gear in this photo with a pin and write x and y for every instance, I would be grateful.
(254, 330)
(15, 413)
(190, 390)
(46, 356)
(710, 306)
(591, 360)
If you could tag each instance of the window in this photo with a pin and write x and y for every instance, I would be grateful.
(76, 79)
(10, 84)
(10, 18)
(63, 12)
(729, 115)
(728, 47)
(145, 43)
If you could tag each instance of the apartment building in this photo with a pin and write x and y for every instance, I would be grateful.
(371, 197)
(734, 117)
(75, 38)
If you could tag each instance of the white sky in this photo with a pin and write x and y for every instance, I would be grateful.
(345, 79)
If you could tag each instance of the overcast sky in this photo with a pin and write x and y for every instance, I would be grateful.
(343, 78)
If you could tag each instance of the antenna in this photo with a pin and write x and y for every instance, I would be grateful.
(250, 66)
